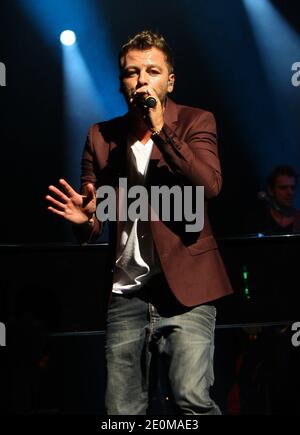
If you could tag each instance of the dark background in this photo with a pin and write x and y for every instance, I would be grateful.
(227, 63)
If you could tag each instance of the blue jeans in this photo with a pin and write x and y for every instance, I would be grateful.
(143, 339)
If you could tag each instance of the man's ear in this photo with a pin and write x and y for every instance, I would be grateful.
(171, 81)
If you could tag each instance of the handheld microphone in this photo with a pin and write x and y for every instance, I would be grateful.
(150, 102)
(146, 101)
(262, 195)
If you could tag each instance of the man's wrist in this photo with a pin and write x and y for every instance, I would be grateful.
(156, 131)
(90, 221)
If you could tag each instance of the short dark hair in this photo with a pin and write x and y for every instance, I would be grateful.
(281, 170)
(145, 40)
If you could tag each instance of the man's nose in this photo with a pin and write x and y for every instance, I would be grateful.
(142, 78)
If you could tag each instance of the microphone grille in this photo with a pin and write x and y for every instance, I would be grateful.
(150, 102)
(262, 195)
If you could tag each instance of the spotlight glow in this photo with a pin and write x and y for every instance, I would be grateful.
(68, 37)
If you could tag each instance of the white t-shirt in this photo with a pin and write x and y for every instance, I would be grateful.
(136, 260)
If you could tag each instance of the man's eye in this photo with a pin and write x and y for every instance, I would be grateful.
(154, 72)
(129, 73)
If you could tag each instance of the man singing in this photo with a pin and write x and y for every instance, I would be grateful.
(165, 278)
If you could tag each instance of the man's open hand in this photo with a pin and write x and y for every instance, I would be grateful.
(72, 206)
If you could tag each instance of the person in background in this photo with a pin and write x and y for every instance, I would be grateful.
(267, 374)
(278, 216)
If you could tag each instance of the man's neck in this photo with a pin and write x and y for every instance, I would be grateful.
(282, 211)
(139, 129)
(283, 219)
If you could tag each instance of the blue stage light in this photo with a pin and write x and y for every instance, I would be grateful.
(68, 37)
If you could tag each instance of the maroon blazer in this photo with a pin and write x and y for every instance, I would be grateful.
(185, 153)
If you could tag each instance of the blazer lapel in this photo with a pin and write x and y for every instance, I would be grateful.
(118, 148)
(118, 155)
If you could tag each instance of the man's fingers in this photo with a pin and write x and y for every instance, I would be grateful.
(53, 210)
(146, 89)
(55, 202)
(89, 194)
(68, 188)
(59, 193)
(90, 189)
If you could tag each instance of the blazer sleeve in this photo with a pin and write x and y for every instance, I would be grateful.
(86, 234)
(196, 157)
